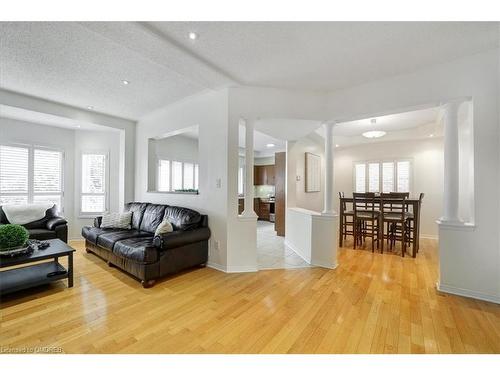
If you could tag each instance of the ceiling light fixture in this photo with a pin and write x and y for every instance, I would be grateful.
(374, 134)
(90, 107)
(336, 145)
(270, 145)
(192, 35)
(432, 135)
(125, 82)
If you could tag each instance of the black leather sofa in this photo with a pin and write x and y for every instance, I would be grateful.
(146, 256)
(50, 227)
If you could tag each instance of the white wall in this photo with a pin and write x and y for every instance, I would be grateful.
(98, 141)
(470, 266)
(71, 142)
(209, 112)
(427, 176)
(77, 114)
(14, 131)
(296, 168)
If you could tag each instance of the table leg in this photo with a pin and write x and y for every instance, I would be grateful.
(341, 222)
(70, 270)
(416, 223)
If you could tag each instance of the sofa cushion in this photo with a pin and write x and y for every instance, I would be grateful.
(153, 216)
(92, 233)
(182, 218)
(107, 240)
(41, 234)
(137, 210)
(139, 250)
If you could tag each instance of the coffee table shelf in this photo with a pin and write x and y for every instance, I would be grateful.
(31, 276)
(35, 273)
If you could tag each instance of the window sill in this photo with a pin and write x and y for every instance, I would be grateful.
(174, 192)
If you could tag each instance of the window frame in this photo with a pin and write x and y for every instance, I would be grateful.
(380, 162)
(86, 214)
(30, 194)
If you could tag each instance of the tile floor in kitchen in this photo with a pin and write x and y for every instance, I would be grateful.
(271, 250)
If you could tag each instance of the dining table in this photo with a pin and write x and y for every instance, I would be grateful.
(412, 202)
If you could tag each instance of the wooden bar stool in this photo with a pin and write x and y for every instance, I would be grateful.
(366, 219)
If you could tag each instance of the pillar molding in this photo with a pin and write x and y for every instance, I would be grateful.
(328, 199)
(248, 211)
(451, 164)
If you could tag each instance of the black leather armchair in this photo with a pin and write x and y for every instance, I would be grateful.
(50, 227)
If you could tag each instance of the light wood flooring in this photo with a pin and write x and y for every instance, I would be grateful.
(372, 303)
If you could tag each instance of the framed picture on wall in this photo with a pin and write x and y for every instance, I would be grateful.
(313, 173)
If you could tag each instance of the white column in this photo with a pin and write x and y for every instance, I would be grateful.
(451, 163)
(328, 202)
(249, 155)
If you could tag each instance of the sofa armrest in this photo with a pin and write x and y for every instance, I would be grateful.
(181, 238)
(54, 222)
(98, 221)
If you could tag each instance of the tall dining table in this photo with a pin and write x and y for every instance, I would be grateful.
(413, 202)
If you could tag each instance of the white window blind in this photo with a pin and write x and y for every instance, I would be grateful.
(196, 176)
(176, 175)
(30, 175)
(387, 177)
(188, 180)
(164, 175)
(93, 189)
(360, 177)
(373, 177)
(382, 176)
(403, 176)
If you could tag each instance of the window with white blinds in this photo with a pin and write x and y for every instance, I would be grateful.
(93, 198)
(31, 174)
(177, 176)
(382, 176)
(403, 175)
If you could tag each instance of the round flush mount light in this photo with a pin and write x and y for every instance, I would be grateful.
(374, 134)
(125, 82)
(270, 145)
(90, 107)
(432, 135)
(192, 35)
(337, 145)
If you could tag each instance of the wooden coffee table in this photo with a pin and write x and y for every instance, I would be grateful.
(15, 279)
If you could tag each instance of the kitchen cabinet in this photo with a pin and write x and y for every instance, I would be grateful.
(263, 175)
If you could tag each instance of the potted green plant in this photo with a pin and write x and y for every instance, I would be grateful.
(12, 237)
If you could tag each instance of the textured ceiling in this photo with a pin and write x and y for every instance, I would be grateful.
(83, 64)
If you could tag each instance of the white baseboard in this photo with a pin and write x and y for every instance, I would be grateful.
(324, 265)
(287, 244)
(240, 269)
(430, 236)
(217, 267)
(467, 293)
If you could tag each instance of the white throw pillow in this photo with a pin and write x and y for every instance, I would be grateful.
(117, 220)
(164, 227)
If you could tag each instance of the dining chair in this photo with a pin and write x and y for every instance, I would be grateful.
(347, 218)
(394, 214)
(366, 219)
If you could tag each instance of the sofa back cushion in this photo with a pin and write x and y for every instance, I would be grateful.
(182, 218)
(137, 210)
(153, 216)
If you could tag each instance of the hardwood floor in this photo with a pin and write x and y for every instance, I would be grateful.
(371, 303)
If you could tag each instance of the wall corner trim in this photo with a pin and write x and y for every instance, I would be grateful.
(467, 293)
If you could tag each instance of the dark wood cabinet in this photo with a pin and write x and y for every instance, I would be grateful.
(263, 175)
